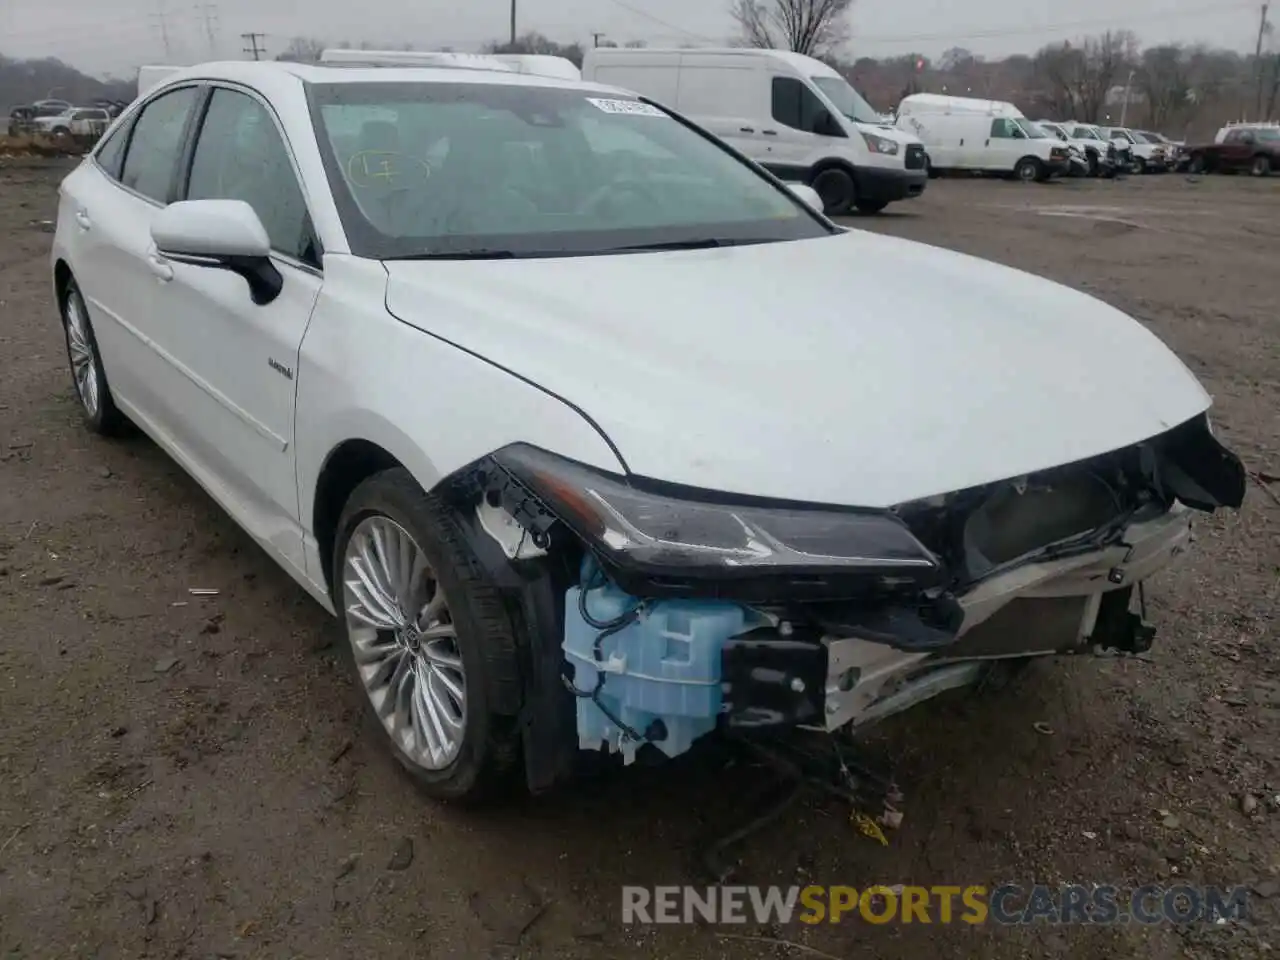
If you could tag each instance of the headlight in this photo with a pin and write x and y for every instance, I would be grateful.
(671, 534)
(880, 144)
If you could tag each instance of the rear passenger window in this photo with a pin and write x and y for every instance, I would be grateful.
(153, 151)
(795, 105)
(111, 152)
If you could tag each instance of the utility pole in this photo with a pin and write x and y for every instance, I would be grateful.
(595, 39)
(163, 23)
(1124, 109)
(513, 22)
(209, 15)
(254, 49)
(1257, 61)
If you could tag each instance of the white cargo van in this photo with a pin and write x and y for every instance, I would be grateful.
(964, 133)
(534, 64)
(540, 65)
(795, 116)
(149, 76)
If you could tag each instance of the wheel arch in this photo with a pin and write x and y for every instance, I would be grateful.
(347, 465)
(62, 277)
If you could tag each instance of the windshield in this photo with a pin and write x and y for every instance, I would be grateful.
(1030, 129)
(1087, 133)
(847, 100)
(500, 169)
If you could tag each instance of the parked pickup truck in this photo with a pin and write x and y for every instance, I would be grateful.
(1256, 149)
(76, 121)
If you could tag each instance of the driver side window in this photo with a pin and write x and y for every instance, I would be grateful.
(795, 105)
(241, 156)
(1003, 129)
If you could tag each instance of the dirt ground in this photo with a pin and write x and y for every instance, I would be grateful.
(193, 777)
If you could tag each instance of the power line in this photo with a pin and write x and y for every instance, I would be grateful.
(661, 22)
(254, 49)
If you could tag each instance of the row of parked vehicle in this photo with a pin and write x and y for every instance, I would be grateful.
(62, 119)
(994, 137)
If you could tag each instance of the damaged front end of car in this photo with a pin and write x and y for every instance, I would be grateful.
(653, 615)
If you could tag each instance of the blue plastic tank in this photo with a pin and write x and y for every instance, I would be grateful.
(664, 665)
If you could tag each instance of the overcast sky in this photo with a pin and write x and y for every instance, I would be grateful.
(117, 35)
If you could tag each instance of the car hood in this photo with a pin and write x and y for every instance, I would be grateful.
(854, 369)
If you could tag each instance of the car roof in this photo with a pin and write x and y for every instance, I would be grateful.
(266, 74)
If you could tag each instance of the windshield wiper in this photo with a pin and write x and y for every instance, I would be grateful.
(463, 255)
(704, 243)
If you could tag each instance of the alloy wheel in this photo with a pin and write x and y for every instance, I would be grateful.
(84, 365)
(404, 642)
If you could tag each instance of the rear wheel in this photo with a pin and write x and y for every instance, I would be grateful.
(837, 190)
(1028, 169)
(1261, 166)
(87, 374)
(433, 647)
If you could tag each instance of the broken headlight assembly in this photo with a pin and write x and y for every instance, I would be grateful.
(674, 541)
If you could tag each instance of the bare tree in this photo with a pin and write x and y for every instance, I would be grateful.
(812, 27)
(303, 50)
(1079, 77)
(1107, 58)
(534, 42)
(1164, 77)
(1058, 67)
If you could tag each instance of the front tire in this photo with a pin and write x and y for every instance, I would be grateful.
(1261, 167)
(87, 373)
(433, 647)
(837, 190)
(1029, 169)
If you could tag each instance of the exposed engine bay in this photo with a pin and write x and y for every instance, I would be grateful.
(657, 615)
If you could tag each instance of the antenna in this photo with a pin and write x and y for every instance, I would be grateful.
(254, 48)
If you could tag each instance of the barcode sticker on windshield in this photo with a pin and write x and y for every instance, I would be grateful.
(626, 106)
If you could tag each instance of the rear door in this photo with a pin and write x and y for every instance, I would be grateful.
(110, 202)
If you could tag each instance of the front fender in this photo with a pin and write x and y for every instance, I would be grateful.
(363, 374)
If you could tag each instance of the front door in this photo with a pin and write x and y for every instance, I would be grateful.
(796, 111)
(238, 358)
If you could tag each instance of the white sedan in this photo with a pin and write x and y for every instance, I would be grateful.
(596, 436)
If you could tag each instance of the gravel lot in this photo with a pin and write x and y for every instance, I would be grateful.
(193, 777)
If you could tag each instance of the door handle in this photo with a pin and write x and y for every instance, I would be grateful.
(770, 133)
(160, 267)
(746, 129)
(82, 218)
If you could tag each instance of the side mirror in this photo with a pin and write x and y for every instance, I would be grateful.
(806, 195)
(824, 125)
(222, 235)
